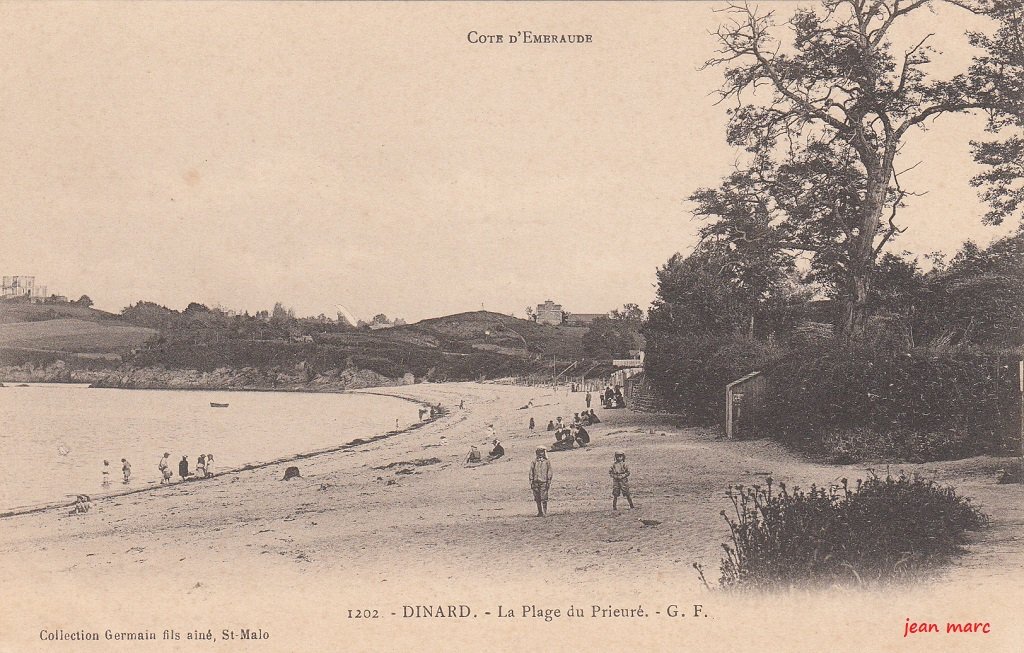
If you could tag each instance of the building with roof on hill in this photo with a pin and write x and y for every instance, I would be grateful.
(553, 314)
(21, 286)
(549, 313)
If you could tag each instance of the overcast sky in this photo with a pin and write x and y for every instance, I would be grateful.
(368, 155)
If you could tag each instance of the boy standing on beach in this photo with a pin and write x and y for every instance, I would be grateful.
(620, 480)
(126, 469)
(540, 481)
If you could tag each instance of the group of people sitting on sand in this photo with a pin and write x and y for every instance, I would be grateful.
(573, 434)
(82, 505)
(204, 468)
(612, 398)
(431, 411)
(496, 452)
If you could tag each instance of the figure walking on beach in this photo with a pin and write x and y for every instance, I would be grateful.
(183, 468)
(588, 399)
(106, 473)
(620, 480)
(540, 480)
(209, 465)
(126, 469)
(533, 424)
(165, 469)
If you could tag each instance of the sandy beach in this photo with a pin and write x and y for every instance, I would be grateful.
(401, 521)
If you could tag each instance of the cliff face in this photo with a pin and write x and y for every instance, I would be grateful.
(57, 372)
(246, 378)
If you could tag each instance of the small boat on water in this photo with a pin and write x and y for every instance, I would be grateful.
(216, 405)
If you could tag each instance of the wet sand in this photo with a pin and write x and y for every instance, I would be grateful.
(367, 528)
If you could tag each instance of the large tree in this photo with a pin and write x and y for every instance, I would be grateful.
(839, 103)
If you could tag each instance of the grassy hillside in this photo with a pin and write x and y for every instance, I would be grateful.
(73, 335)
(19, 311)
(470, 330)
(80, 337)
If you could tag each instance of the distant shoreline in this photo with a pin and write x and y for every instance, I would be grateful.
(93, 386)
(56, 505)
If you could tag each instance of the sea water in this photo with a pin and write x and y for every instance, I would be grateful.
(54, 438)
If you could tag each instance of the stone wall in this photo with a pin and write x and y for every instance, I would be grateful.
(641, 395)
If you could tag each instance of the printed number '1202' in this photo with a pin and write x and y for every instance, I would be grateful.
(363, 614)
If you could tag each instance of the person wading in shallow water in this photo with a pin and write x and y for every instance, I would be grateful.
(540, 481)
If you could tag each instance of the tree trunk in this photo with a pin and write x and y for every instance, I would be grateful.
(855, 310)
(862, 252)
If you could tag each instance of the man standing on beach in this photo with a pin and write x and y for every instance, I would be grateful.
(588, 399)
(540, 481)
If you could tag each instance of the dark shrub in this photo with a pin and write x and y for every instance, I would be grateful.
(882, 530)
(863, 402)
(691, 372)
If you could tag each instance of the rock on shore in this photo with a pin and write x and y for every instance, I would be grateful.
(56, 372)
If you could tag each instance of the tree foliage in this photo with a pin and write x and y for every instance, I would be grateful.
(825, 118)
(1001, 67)
(614, 335)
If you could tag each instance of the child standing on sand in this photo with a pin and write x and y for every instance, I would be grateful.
(620, 480)
(106, 473)
(126, 469)
(165, 469)
(540, 481)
